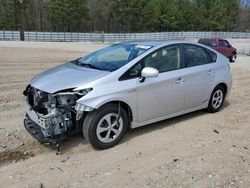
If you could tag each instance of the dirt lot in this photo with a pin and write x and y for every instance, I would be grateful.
(195, 150)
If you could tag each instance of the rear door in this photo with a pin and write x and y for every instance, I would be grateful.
(199, 75)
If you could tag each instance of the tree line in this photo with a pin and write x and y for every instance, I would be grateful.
(124, 15)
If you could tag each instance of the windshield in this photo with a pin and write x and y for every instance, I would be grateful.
(113, 57)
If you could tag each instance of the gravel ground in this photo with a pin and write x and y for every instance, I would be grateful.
(194, 150)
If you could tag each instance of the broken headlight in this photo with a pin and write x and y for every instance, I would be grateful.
(69, 97)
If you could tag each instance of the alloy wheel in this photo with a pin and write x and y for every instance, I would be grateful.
(109, 128)
(217, 99)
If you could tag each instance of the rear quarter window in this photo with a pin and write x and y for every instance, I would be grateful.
(212, 56)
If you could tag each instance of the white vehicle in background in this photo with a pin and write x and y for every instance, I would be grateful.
(123, 86)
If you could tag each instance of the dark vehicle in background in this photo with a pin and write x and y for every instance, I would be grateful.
(222, 46)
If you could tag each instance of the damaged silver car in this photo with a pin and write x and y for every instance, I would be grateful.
(130, 84)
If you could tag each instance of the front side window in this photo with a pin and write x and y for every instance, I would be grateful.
(226, 43)
(165, 59)
(195, 56)
(133, 72)
(222, 43)
(112, 57)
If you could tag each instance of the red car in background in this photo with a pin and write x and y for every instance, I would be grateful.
(222, 46)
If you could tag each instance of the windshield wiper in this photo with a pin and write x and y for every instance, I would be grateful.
(89, 65)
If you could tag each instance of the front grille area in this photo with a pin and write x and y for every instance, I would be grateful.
(37, 99)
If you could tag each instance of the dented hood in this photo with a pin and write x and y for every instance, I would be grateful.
(65, 76)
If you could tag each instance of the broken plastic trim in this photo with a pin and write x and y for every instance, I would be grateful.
(35, 131)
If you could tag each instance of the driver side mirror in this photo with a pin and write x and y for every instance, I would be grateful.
(148, 72)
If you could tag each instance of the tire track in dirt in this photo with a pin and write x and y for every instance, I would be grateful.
(22, 152)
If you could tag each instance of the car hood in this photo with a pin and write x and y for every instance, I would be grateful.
(65, 76)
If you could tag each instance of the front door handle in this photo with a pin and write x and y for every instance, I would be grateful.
(180, 80)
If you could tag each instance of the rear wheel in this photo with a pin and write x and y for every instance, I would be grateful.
(233, 58)
(105, 127)
(217, 99)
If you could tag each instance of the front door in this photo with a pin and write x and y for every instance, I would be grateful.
(164, 94)
(225, 48)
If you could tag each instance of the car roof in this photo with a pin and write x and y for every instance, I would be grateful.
(211, 39)
(152, 43)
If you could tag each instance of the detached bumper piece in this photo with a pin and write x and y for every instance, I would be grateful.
(35, 131)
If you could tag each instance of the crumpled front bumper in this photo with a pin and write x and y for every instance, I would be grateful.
(35, 131)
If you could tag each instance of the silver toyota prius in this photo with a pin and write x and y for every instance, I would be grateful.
(125, 85)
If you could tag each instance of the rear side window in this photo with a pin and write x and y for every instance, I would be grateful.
(195, 56)
(211, 43)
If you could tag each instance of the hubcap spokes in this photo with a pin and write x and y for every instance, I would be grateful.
(217, 99)
(109, 128)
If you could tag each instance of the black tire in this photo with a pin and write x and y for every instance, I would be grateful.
(211, 106)
(91, 122)
(232, 59)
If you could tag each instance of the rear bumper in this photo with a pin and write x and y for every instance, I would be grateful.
(229, 86)
(35, 131)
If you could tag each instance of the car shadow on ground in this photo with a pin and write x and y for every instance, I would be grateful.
(166, 123)
(78, 139)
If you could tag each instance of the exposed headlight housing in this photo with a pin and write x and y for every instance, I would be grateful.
(84, 91)
(81, 92)
(83, 108)
(80, 108)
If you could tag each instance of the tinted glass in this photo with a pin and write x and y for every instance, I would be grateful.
(133, 72)
(112, 57)
(226, 43)
(195, 56)
(222, 43)
(165, 59)
(212, 56)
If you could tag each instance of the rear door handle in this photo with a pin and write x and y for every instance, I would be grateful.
(180, 80)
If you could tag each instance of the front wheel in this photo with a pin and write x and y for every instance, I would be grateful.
(216, 100)
(106, 126)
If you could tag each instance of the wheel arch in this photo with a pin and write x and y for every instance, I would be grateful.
(124, 105)
(224, 86)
